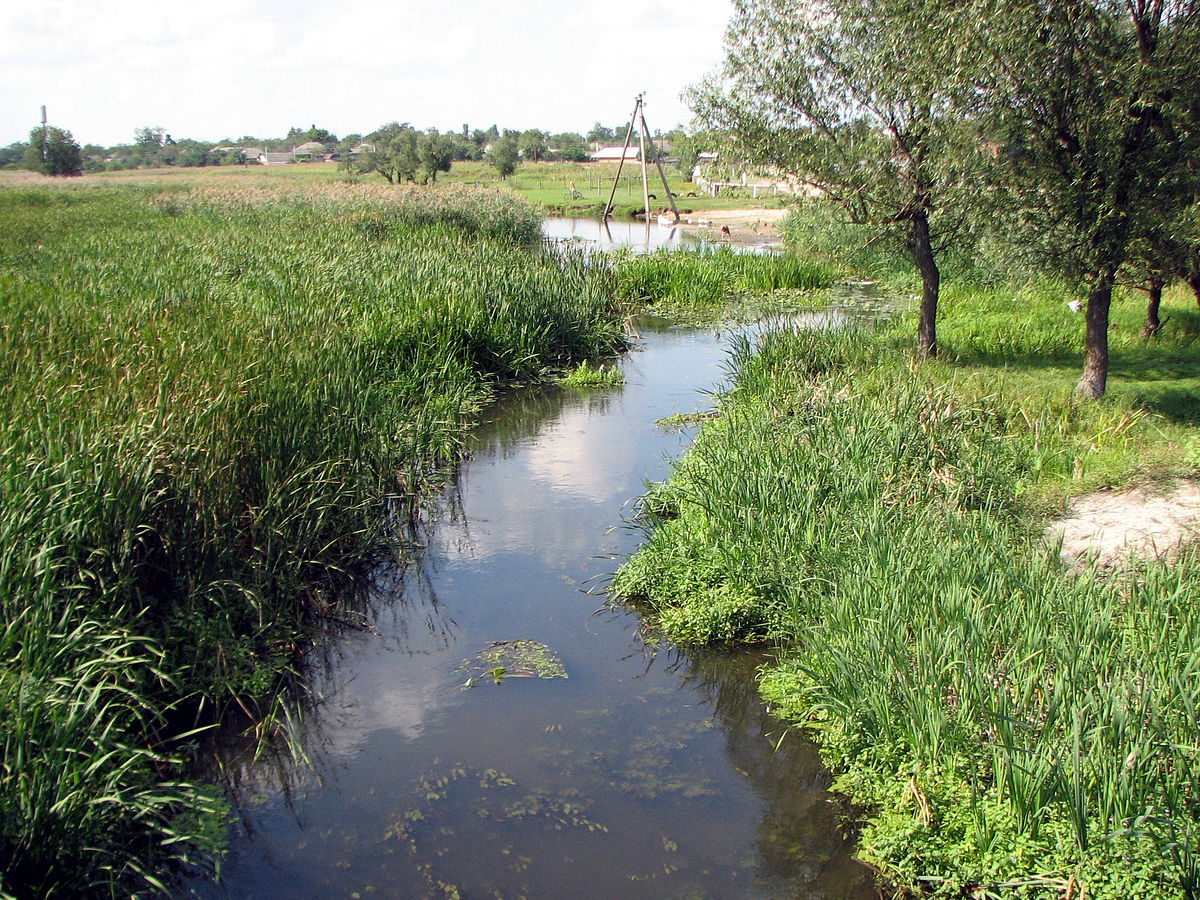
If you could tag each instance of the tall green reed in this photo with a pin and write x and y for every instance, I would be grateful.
(866, 517)
(212, 399)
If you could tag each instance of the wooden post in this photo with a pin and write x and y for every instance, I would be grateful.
(658, 165)
(637, 111)
(621, 164)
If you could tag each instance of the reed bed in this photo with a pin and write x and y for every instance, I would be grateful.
(710, 278)
(1010, 727)
(214, 404)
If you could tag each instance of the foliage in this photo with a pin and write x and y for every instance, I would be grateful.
(53, 151)
(502, 155)
(533, 145)
(1004, 721)
(853, 97)
(710, 278)
(588, 375)
(216, 401)
(1096, 110)
(392, 153)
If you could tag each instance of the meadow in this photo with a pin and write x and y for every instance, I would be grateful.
(223, 395)
(1007, 725)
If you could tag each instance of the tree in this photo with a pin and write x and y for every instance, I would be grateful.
(435, 153)
(502, 155)
(394, 153)
(13, 155)
(601, 134)
(533, 144)
(569, 146)
(851, 96)
(53, 151)
(1096, 105)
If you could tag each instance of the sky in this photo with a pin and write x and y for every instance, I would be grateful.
(257, 67)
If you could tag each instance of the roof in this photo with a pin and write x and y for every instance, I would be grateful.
(632, 152)
(310, 147)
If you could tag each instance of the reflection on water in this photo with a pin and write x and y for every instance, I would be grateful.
(647, 772)
(611, 234)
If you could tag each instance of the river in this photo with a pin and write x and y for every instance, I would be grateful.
(647, 772)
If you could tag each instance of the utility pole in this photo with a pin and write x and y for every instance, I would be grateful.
(45, 142)
(638, 120)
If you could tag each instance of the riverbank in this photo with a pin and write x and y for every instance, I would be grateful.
(1009, 725)
(221, 400)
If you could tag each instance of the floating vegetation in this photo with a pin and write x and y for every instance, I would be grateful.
(588, 375)
(512, 659)
(460, 810)
(684, 420)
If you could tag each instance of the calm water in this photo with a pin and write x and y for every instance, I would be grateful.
(647, 772)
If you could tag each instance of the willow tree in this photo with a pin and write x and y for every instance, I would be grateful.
(1095, 103)
(853, 97)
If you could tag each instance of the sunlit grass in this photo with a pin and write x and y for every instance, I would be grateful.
(1002, 720)
(216, 393)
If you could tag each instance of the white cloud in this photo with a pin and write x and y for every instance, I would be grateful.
(264, 65)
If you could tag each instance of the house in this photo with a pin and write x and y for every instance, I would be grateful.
(309, 150)
(631, 152)
(269, 158)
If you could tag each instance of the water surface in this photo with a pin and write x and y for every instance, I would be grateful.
(647, 772)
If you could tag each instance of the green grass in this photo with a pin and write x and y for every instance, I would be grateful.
(548, 184)
(1002, 722)
(215, 392)
(588, 375)
(706, 281)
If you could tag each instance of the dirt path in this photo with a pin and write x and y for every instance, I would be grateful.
(1137, 521)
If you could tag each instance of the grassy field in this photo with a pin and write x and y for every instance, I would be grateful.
(222, 391)
(1010, 728)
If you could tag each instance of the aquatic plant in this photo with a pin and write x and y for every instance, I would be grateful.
(709, 278)
(588, 375)
(217, 403)
(1006, 722)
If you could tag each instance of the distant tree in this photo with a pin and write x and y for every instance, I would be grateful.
(13, 155)
(435, 153)
(320, 135)
(503, 154)
(58, 154)
(394, 154)
(569, 146)
(533, 144)
(603, 135)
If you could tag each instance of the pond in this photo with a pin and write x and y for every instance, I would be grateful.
(440, 764)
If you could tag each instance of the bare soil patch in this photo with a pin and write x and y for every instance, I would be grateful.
(1113, 526)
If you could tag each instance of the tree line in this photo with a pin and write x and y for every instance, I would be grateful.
(415, 154)
(1066, 130)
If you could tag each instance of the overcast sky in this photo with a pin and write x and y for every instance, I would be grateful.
(226, 69)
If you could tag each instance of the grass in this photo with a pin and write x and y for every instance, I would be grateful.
(548, 184)
(219, 395)
(706, 281)
(586, 374)
(1010, 728)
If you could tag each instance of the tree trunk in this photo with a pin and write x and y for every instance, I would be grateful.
(1095, 361)
(1194, 281)
(931, 278)
(1153, 323)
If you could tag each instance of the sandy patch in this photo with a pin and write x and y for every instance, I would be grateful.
(746, 226)
(1115, 525)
